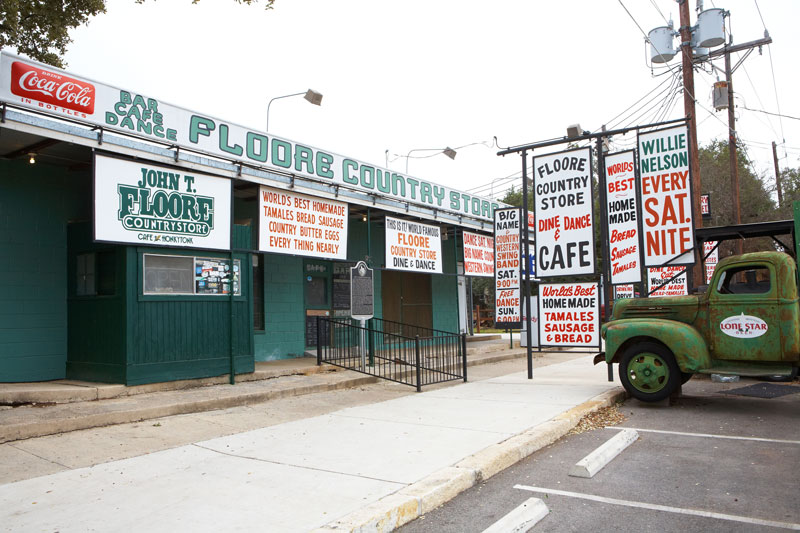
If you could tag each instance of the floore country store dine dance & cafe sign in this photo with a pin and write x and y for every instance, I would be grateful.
(46, 89)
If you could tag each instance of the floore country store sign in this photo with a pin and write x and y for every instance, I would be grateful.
(47, 89)
(563, 213)
(297, 224)
(413, 247)
(666, 193)
(147, 204)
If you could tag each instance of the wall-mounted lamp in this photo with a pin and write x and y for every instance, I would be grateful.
(32, 158)
(364, 218)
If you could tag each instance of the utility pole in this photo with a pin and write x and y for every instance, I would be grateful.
(777, 174)
(727, 50)
(685, 29)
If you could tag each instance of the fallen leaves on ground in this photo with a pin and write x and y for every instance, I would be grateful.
(605, 416)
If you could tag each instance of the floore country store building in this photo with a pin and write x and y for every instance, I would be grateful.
(143, 242)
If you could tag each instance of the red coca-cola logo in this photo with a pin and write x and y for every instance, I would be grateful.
(59, 90)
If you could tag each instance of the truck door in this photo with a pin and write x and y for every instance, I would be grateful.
(744, 314)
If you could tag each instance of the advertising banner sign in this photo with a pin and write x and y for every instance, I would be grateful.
(705, 205)
(569, 314)
(413, 247)
(666, 192)
(523, 334)
(297, 224)
(148, 204)
(623, 223)
(712, 259)
(53, 91)
(657, 276)
(563, 212)
(478, 255)
(624, 291)
(507, 255)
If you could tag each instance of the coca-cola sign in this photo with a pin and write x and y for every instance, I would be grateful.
(52, 88)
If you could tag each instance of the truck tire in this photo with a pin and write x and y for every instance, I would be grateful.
(648, 372)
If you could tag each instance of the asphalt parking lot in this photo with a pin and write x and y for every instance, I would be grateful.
(716, 459)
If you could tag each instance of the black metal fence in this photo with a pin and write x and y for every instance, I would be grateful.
(403, 353)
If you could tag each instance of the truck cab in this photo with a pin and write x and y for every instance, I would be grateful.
(747, 323)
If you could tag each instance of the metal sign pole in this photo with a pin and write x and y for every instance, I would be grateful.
(526, 281)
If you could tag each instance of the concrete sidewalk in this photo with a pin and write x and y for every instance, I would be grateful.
(372, 467)
(53, 407)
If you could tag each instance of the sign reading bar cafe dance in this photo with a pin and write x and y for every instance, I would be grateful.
(50, 90)
(147, 204)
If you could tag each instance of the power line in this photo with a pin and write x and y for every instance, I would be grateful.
(769, 113)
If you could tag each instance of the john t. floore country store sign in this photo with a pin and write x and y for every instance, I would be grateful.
(47, 89)
(143, 203)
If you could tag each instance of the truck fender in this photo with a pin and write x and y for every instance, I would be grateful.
(684, 341)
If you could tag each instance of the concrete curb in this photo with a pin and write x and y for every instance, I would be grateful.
(40, 428)
(411, 502)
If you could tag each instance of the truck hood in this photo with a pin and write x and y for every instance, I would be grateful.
(678, 308)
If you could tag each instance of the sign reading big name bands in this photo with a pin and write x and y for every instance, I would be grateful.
(507, 259)
(50, 90)
(666, 192)
(478, 255)
(569, 314)
(296, 224)
(563, 211)
(147, 204)
(412, 246)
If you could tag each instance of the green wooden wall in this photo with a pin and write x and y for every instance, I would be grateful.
(36, 202)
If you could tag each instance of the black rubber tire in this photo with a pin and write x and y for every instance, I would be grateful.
(670, 382)
(685, 376)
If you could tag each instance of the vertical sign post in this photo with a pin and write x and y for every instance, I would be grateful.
(362, 301)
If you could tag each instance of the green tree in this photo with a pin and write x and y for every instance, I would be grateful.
(40, 29)
(756, 204)
(790, 183)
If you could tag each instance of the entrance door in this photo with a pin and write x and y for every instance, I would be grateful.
(407, 298)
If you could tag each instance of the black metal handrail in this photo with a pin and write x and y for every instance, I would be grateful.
(434, 357)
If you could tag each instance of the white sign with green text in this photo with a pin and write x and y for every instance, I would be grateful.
(142, 203)
(53, 91)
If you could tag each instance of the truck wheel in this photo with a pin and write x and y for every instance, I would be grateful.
(648, 371)
(685, 376)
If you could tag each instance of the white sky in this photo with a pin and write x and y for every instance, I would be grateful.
(411, 74)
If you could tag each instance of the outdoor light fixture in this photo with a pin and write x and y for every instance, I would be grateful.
(574, 131)
(364, 218)
(310, 96)
(449, 152)
(32, 158)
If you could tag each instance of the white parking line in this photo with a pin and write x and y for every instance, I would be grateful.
(522, 518)
(600, 457)
(706, 435)
(665, 508)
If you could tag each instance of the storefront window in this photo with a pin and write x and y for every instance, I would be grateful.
(173, 274)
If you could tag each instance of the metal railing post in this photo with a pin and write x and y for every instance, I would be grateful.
(319, 345)
(419, 374)
(464, 354)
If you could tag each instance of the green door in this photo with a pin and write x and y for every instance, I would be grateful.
(744, 313)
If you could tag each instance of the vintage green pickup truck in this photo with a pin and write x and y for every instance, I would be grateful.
(746, 323)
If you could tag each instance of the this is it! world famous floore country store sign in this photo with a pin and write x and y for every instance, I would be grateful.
(46, 89)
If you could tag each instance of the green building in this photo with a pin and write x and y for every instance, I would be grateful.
(143, 242)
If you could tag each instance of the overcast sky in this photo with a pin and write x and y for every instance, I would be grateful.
(416, 74)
